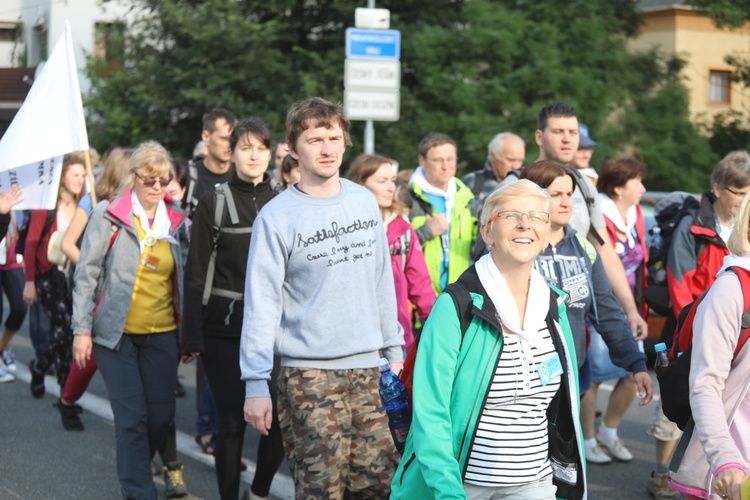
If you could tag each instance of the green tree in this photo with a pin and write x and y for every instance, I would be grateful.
(469, 68)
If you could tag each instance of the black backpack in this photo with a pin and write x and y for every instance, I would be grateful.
(669, 212)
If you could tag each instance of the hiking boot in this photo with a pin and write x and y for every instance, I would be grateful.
(596, 455)
(659, 488)
(173, 480)
(5, 375)
(70, 419)
(8, 360)
(615, 448)
(37, 380)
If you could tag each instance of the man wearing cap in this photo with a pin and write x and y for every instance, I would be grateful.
(582, 157)
(505, 152)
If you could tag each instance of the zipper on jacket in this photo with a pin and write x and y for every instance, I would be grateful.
(406, 465)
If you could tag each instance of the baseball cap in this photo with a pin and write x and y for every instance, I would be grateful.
(585, 140)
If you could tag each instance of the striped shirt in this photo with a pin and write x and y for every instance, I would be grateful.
(511, 444)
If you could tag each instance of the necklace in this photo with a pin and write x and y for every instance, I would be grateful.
(517, 367)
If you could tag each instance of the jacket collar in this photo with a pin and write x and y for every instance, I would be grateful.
(121, 209)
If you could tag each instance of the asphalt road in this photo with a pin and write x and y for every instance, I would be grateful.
(39, 460)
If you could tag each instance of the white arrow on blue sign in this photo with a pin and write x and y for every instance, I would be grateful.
(375, 44)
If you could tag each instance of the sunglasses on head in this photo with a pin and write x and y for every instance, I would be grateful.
(151, 182)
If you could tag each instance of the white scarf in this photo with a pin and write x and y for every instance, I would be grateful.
(449, 194)
(537, 303)
(161, 226)
(609, 209)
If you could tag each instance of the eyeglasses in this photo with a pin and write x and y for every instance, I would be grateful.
(151, 182)
(513, 217)
(736, 193)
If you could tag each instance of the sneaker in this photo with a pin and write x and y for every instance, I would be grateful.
(615, 448)
(173, 480)
(9, 360)
(5, 375)
(70, 419)
(37, 380)
(659, 488)
(596, 455)
(78, 409)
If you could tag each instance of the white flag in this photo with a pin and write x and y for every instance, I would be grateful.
(49, 124)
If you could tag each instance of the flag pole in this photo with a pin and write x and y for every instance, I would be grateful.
(90, 175)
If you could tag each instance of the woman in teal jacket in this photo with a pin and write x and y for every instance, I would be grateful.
(473, 389)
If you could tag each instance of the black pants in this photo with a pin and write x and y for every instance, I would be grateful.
(221, 358)
(52, 292)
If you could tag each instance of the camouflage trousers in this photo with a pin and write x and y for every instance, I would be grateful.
(335, 433)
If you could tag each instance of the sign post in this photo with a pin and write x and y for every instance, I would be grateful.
(372, 75)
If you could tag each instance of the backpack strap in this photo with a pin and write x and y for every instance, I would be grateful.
(404, 243)
(190, 200)
(218, 222)
(588, 196)
(224, 203)
(462, 300)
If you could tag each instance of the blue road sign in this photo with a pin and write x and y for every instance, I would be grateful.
(374, 44)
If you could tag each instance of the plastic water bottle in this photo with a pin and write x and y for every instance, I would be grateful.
(662, 359)
(396, 404)
(657, 257)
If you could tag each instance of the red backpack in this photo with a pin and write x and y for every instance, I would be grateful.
(674, 383)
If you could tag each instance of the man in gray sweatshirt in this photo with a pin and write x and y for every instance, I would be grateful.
(319, 292)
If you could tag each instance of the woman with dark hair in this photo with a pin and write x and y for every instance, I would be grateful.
(46, 280)
(571, 263)
(126, 306)
(620, 189)
(214, 288)
(410, 274)
(289, 172)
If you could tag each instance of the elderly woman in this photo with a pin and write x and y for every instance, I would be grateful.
(496, 406)
(717, 458)
(572, 263)
(125, 310)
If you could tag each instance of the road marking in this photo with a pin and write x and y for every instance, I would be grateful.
(282, 486)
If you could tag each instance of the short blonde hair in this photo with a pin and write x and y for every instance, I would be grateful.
(150, 159)
(523, 188)
(739, 243)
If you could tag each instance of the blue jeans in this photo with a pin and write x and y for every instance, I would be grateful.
(39, 327)
(141, 377)
(206, 423)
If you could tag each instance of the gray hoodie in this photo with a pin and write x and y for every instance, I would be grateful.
(319, 289)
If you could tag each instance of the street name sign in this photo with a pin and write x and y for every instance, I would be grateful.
(370, 104)
(372, 73)
(373, 44)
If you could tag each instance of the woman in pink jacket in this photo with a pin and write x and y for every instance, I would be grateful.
(717, 458)
(410, 275)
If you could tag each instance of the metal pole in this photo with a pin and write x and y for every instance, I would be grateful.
(369, 137)
(369, 126)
